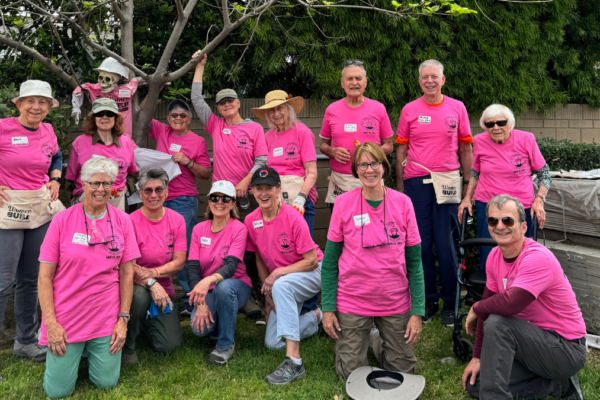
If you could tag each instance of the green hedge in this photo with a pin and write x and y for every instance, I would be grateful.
(566, 155)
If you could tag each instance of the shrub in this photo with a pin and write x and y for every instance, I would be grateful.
(566, 155)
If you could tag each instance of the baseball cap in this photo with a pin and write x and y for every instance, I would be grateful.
(178, 103)
(104, 104)
(226, 93)
(267, 176)
(224, 187)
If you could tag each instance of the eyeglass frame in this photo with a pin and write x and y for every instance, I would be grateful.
(362, 225)
(509, 225)
(501, 123)
(226, 100)
(87, 236)
(358, 166)
(350, 63)
(180, 115)
(99, 183)
(154, 190)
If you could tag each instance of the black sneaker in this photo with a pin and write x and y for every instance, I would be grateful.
(448, 316)
(287, 372)
(187, 310)
(431, 308)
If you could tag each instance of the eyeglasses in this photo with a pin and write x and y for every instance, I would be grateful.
(364, 166)
(175, 115)
(227, 100)
(506, 221)
(348, 63)
(96, 185)
(215, 199)
(108, 114)
(492, 123)
(87, 235)
(158, 191)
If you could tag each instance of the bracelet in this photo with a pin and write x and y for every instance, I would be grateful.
(57, 179)
(157, 272)
(465, 182)
(193, 165)
(188, 163)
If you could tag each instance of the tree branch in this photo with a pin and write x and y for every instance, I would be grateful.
(225, 12)
(117, 11)
(78, 11)
(179, 9)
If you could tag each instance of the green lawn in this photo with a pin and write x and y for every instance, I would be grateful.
(186, 375)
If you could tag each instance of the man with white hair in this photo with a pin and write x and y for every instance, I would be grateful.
(432, 129)
(349, 122)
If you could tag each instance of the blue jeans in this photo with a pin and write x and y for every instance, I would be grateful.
(483, 232)
(224, 301)
(187, 206)
(438, 224)
(309, 217)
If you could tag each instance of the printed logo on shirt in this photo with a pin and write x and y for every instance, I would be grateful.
(114, 246)
(424, 119)
(223, 252)
(393, 233)
(291, 150)
(169, 241)
(121, 163)
(284, 243)
(47, 151)
(122, 102)
(518, 161)
(369, 125)
(451, 123)
(243, 142)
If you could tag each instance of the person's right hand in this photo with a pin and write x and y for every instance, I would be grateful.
(341, 155)
(57, 339)
(160, 297)
(269, 306)
(203, 316)
(198, 294)
(3, 196)
(471, 371)
(203, 61)
(329, 322)
(466, 203)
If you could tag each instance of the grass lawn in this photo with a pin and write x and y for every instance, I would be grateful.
(186, 375)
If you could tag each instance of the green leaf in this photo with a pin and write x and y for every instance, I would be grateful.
(88, 4)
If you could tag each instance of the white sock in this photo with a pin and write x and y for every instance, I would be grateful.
(298, 361)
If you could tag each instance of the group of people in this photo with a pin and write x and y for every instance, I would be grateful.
(103, 276)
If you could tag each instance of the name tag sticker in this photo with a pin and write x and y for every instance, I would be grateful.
(227, 131)
(175, 147)
(20, 141)
(424, 120)
(205, 241)
(361, 220)
(124, 93)
(504, 282)
(96, 155)
(350, 128)
(278, 152)
(258, 224)
(81, 238)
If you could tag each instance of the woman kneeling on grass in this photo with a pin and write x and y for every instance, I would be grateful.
(372, 271)
(288, 266)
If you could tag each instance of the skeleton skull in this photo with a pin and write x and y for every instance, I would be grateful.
(108, 81)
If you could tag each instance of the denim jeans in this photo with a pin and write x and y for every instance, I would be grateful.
(309, 215)
(224, 301)
(187, 206)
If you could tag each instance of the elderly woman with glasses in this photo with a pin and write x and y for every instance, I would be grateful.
(160, 235)
(217, 273)
(103, 136)
(504, 159)
(86, 284)
(372, 272)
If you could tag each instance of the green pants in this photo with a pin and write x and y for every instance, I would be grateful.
(61, 372)
(164, 330)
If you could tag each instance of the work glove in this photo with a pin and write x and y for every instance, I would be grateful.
(298, 203)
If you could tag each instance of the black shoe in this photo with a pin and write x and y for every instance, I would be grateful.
(448, 316)
(187, 310)
(431, 308)
(571, 390)
(287, 372)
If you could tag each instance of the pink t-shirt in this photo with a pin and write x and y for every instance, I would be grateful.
(538, 271)
(122, 96)
(282, 241)
(86, 283)
(234, 148)
(344, 124)
(210, 249)
(25, 156)
(506, 168)
(373, 281)
(83, 150)
(433, 134)
(158, 241)
(192, 145)
(289, 150)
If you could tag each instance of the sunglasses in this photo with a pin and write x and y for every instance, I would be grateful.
(506, 221)
(215, 199)
(348, 63)
(492, 123)
(175, 115)
(228, 100)
(158, 191)
(108, 114)
(96, 185)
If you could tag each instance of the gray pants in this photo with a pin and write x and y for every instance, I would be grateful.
(19, 253)
(518, 359)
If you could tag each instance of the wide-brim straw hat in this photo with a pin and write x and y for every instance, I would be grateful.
(276, 98)
(33, 87)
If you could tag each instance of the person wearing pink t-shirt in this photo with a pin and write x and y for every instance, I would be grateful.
(530, 340)
(288, 263)
(86, 284)
(160, 235)
(504, 159)
(372, 273)
(349, 122)
(217, 273)
(103, 137)
(431, 131)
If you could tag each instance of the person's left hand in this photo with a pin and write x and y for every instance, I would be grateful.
(241, 189)
(202, 318)
(267, 287)
(180, 158)
(117, 340)
(470, 322)
(198, 294)
(54, 187)
(413, 329)
(537, 209)
(161, 297)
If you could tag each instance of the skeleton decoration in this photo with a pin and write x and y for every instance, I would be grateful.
(109, 81)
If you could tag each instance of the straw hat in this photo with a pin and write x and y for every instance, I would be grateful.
(34, 87)
(276, 98)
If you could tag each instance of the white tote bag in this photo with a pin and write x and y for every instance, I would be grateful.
(28, 209)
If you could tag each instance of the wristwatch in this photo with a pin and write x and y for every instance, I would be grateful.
(541, 197)
(57, 179)
(150, 282)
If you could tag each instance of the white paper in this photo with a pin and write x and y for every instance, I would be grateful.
(146, 159)
(278, 152)
(258, 224)
(424, 119)
(361, 220)
(175, 147)
(350, 128)
(205, 241)
(81, 238)
(20, 141)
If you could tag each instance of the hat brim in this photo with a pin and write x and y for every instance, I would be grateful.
(55, 102)
(105, 108)
(357, 387)
(297, 104)
(231, 96)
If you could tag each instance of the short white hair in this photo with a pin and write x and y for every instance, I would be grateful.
(99, 165)
(292, 118)
(497, 110)
(432, 63)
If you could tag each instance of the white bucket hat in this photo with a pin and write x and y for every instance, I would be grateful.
(369, 383)
(224, 187)
(34, 87)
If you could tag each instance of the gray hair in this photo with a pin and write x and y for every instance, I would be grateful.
(354, 63)
(497, 110)
(292, 118)
(152, 175)
(500, 200)
(432, 63)
(99, 165)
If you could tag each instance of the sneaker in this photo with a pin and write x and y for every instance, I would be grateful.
(129, 359)
(431, 308)
(251, 308)
(187, 310)
(31, 351)
(220, 357)
(261, 321)
(571, 390)
(287, 372)
(448, 316)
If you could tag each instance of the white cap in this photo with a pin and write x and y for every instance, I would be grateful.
(34, 87)
(112, 65)
(224, 187)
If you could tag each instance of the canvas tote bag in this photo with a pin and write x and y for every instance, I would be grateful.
(290, 187)
(28, 209)
(447, 185)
